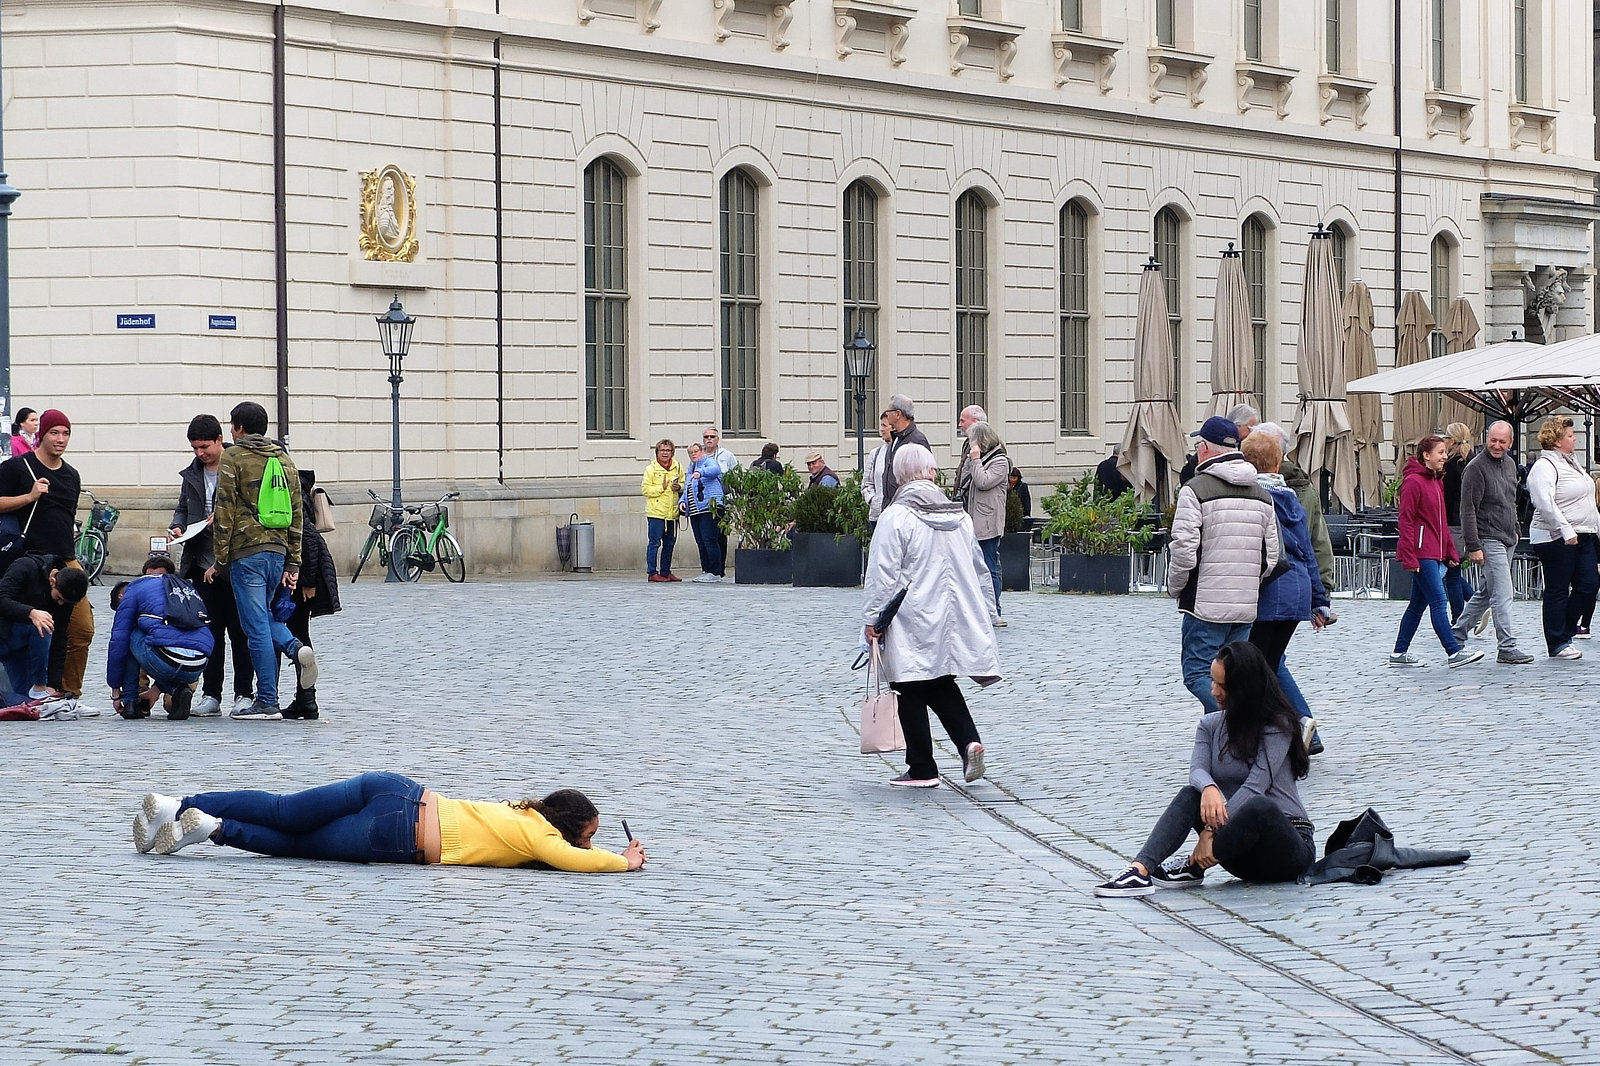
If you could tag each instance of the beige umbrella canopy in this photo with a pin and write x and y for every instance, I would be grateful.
(1322, 423)
(1365, 409)
(1233, 364)
(1153, 425)
(1413, 413)
(1460, 331)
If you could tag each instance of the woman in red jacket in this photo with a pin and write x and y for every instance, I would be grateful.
(1426, 549)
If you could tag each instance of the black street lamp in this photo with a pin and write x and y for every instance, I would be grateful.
(394, 332)
(858, 355)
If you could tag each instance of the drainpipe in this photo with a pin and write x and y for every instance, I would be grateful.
(280, 220)
(499, 278)
(1399, 163)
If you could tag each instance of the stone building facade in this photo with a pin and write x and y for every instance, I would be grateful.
(632, 218)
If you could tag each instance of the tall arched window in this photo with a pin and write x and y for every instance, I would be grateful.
(605, 299)
(1341, 257)
(739, 218)
(1441, 278)
(1255, 276)
(861, 286)
(972, 300)
(1168, 235)
(1074, 315)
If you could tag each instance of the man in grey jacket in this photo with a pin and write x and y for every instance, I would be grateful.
(1224, 542)
(1489, 529)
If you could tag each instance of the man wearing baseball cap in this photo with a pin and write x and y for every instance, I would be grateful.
(43, 488)
(1224, 543)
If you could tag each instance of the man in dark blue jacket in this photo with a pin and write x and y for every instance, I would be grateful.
(144, 635)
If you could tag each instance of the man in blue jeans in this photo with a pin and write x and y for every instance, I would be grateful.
(259, 558)
(146, 636)
(37, 597)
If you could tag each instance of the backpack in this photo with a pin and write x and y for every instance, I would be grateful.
(184, 607)
(274, 506)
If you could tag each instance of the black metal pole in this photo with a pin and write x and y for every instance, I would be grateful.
(861, 430)
(280, 219)
(394, 492)
(8, 196)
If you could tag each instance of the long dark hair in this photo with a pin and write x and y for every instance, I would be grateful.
(567, 809)
(16, 423)
(1255, 703)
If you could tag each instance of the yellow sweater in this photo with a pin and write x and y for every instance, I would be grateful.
(496, 834)
(661, 499)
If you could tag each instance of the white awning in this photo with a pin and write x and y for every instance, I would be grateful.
(1513, 380)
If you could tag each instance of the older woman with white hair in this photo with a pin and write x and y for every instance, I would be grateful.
(945, 624)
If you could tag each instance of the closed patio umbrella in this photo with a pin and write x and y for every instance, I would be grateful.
(1233, 363)
(1413, 414)
(1322, 423)
(1153, 424)
(1365, 409)
(1460, 330)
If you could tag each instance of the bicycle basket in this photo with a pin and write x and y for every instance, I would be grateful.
(380, 516)
(430, 514)
(103, 516)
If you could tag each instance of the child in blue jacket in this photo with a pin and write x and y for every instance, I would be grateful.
(142, 638)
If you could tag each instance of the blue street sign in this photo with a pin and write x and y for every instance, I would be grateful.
(136, 321)
(224, 321)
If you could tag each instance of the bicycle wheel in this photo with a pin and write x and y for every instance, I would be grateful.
(92, 553)
(403, 546)
(373, 539)
(448, 552)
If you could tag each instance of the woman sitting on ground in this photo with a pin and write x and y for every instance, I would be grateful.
(1241, 794)
(385, 817)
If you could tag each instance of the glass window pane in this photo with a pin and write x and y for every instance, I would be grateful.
(1167, 229)
(741, 305)
(1072, 14)
(1166, 23)
(972, 299)
(605, 361)
(861, 289)
(1074, 319)
(1436, 43)
(1334, 33)
(1519, 44)
(1252, 29)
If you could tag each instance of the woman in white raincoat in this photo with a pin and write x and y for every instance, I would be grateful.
(944, 627)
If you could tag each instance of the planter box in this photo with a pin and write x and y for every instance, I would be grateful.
(820, 561)
(1015, 562)
(1105, 574)
(1399, 581)
(762, 566)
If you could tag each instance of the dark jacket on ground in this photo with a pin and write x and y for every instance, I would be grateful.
(1316, 524)
(1489, 501)
(910, 435)
(25, 588)
(144, 604)
(1361, 848)
(199, 553)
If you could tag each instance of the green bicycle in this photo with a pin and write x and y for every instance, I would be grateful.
(89, 538)
(385, 521)
(425, 541)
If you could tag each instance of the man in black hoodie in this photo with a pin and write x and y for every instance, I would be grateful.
(37, 595)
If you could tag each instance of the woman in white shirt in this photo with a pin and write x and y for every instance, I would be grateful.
(1563, 534)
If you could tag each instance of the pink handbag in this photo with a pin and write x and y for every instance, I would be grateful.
(880, 712)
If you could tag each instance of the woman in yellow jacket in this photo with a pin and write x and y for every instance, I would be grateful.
(385, 817)
(662, 484)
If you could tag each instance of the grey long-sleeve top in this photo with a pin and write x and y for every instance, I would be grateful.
(1270, 776)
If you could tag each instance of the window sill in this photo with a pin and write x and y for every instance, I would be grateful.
(1440, 103)
(875, 16)
(1098, 53)
(1279, 81)
(1542, 120)
(1190, 67)
(777, 14)
(966, 31)
(1357, 92)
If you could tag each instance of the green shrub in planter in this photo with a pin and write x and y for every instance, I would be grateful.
(1086, 524)
(760, 505)
(813, 511)
(1013, 512)
(850, 509)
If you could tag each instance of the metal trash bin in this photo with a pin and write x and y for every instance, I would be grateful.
(582, 546)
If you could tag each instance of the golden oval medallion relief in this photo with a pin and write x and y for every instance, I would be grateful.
(389, 215)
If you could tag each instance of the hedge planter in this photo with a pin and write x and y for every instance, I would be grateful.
(822, 561)
(1015, 562)
(762, 566)
(1104, 574)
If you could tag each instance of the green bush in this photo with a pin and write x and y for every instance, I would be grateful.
(850, 510)
(760, 506)
(813, 511)
(1013, 512)
(1084, 523)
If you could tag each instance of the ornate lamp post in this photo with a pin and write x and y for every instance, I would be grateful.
(858, 357)
(394, 332)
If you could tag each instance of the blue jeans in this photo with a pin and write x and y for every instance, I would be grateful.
(1291, 690)
(991, 559)
(709, 540)
(1570, 580)
(1457, 589)
(1201, 642)
(663, 534)
(26, 656)
(1427, 594)
(255, 580)
(369, 818)
(162, 674)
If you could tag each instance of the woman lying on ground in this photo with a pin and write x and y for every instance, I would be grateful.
(1241, 794)
(384, 817)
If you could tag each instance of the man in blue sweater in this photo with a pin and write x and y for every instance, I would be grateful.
(148, 635)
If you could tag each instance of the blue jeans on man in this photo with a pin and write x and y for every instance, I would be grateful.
(991, 559)
(163, 675)
(255, 580)
(1427, 594)
(1201, 642)
(26, 656)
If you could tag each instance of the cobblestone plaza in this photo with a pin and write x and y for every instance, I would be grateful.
(796, 909)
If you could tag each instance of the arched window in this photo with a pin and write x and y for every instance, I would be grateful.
(605, 299)
(1441, 278)
(1255, 276)
(1074, 314)
(739, 219)
(1519, 51)
(972, 300)
(1168, 234)
(861, 286)
(1341, 257)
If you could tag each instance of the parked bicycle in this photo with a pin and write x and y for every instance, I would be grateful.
(425, 541)
(90, 537)
(384, 521)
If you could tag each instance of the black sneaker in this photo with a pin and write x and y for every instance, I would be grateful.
(304, 707)
(1177, 872)
(181, 702)
(1129, 882)
(907, 781)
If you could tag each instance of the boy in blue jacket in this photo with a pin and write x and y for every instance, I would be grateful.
(142, 637)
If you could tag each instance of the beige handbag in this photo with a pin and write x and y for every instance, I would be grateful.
(321, 512)
(880, 712)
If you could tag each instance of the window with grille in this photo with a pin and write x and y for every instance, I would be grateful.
(1255, 277)
(739, 218)
(1168, 231)
(1334, 30)
(1341, 260)
(1074, 315)
(605, 299)
(1436, 42)
(1519, 49)
(1167, 23)
(861, 288)
(1252, 29)
(1440, 276)
(972, 300)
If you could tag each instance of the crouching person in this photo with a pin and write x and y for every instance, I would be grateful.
(37, 597)
(162, 628)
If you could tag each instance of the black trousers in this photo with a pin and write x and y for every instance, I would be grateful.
(1272, 638)
(943, 697)
(1258, 843)
(1570, 583)
(225, 633)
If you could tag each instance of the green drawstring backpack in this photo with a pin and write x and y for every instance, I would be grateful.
(274, 507)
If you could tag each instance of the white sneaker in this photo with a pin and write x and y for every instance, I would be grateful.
(999, 623)
(1483, 623)
(191, 827)
(1403, 658)
(704, 579)
(243, 703)
(1566, 651)
(206, 707)
(1308, 726)
(156, 811)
